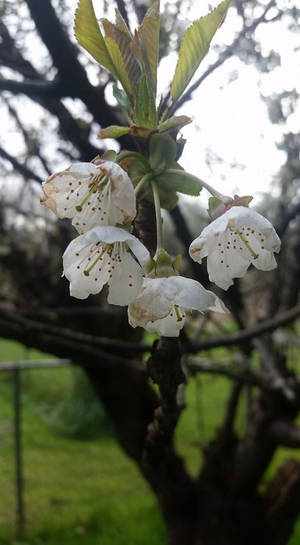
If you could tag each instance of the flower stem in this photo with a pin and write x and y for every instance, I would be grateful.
(142, 182)
(159, 235)
(224, 198)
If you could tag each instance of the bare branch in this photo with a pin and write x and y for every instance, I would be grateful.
(67, 342)
(74, 336)
(247, 334)
(237, 371)
(19, 167)
(282, 502)
(290, 214)
(32, 88)
(283, 432)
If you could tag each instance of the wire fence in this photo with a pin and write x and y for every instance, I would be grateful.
(16, 368)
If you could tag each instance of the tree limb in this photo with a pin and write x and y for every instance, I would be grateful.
(283, 432)
(33, 327)
(33, 89)
(19, 167)
(247, 334)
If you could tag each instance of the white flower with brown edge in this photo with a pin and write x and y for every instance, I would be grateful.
(91, 194)
(163, 303)
(232, 242)
(106, 255)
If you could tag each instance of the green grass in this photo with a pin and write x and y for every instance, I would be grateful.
(88, 492)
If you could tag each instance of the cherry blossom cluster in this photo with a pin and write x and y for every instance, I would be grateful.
(100, 199)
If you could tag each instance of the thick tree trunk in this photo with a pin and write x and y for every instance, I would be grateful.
(216, 517)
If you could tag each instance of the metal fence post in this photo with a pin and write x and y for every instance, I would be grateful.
(20, 514)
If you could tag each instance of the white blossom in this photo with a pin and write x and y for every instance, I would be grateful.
(163, 303)
(91, 194)
(105, 255)
(232, 242)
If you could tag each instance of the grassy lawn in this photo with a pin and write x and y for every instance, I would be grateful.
(84, 492)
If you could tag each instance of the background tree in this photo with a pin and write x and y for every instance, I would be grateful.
(225, 504)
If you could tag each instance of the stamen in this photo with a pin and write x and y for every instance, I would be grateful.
(178, 315)
(93, 188)
(254, 255)
(86, 272)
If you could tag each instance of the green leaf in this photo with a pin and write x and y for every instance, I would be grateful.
(136, 171)
(120, 68)
(194, 46)
(121, 98)
(113, 131)
(147, 44)
(88, 34)
(180, 182)
(145, 110)
(123, 40)
(120, 23)
(168, 199)
(162, 151)
(175, 122)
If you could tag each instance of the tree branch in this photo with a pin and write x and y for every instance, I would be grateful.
(110, 345)
(290, 214)
(225, 368)
(283, 432)
(282, 502)
(19, 167)
(33, 89)
(247, 334)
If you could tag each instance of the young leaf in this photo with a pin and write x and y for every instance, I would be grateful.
(121, 98)
(120, 23)
(145, 110)
(168, 199)
(163, 151)
(194, 46)
(176, 122)
(119, 65)
(88, 34)
(178, 182)
(123, 41)
(113, 131)
(146, 44)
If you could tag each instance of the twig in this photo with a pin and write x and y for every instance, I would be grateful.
(22, 169)
(285, 433)
(77, 337)
(247, 334)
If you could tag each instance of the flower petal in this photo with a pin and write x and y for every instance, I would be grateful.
(86, 267)
(111, 234)
(123, 194)
(192, 295)
(126, 278)
(233, 241)
(169, 326)
(91, 194)
(154, 301)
